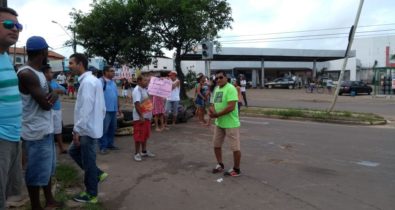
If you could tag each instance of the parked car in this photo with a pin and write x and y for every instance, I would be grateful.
(283, 82)
(356, 86)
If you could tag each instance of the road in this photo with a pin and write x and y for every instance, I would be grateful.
(285, 164)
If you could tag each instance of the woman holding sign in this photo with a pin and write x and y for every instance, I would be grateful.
(159, 111)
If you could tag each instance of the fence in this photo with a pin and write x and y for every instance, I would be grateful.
(384, 81)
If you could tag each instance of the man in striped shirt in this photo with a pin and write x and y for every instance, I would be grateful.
(10, 109)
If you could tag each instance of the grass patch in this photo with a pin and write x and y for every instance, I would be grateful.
(285, 113)
(66, 175)
(90, 206)
(316, 115)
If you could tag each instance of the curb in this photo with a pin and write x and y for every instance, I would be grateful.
(334, 121)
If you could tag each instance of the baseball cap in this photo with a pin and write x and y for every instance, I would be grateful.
(36, 43)
(173, 73)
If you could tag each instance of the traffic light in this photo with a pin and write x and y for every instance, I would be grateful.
(207, 50)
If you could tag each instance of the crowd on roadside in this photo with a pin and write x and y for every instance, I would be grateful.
(31, 117)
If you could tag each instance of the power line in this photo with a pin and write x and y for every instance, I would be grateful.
(300, 31)
(307, 39)
(303, 36)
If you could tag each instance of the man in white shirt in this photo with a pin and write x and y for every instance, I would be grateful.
(61, 79)
(89, 114)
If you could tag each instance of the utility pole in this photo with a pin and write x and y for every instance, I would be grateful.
(350, 41)
(74, 42)
(3, 3)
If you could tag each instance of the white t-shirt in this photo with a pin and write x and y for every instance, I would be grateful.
(243, 84)
(61, 79)
(139, 95)
(175, 93)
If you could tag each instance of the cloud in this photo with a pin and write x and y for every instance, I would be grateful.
(37, 15)
(266, 17)
(251, 17)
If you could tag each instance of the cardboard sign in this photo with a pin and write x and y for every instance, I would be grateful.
(160, 87)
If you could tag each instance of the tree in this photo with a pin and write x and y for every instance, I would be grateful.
(115, 30)
(180, 25)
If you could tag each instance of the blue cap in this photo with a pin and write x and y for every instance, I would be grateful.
(36, 43)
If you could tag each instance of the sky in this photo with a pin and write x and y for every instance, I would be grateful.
(257, 23)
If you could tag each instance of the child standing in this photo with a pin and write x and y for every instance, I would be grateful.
(56, 108)
(142, 115)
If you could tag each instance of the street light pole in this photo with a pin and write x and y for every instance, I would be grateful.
(74, 43)
(3, 3)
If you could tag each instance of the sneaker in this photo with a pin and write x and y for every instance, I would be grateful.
(17, 201)
(113, 148)
(103, 176)
(85, 198)
(232, 172)
(137, 157)
(103, 152)
(218, 169)
(147, 154)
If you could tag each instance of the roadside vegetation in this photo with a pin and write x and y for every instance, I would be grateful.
(345, 117)
(69, 183)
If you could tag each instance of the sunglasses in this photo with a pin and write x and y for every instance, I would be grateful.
(10, 24)
(220, 77)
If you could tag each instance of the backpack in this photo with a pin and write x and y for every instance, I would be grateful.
(104, 83)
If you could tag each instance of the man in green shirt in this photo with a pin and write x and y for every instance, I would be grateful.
(224, 109)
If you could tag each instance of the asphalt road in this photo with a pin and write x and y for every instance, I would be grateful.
(285, 164)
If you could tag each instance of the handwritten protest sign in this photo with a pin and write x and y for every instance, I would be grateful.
(160, 87)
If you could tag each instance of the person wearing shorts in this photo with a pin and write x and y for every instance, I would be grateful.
(142, 115)
(224, 109)
(56, 108)
(37, 124)
(200, 100)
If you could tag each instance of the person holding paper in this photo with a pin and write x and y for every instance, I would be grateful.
(142, 115)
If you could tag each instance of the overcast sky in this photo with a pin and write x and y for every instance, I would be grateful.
(257, 23)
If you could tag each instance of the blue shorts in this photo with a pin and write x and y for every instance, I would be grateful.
(172, 107)
(199, 102)
(41, 161)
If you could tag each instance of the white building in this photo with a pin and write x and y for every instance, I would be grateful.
(365, 51)
(159, 64)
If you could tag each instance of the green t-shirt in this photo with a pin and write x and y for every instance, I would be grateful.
(221, 98)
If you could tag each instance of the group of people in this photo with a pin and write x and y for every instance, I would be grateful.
(26, 113)
(69, 82)
(30, 111)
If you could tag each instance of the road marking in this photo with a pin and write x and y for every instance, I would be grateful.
(368, 163)
(254, 122)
